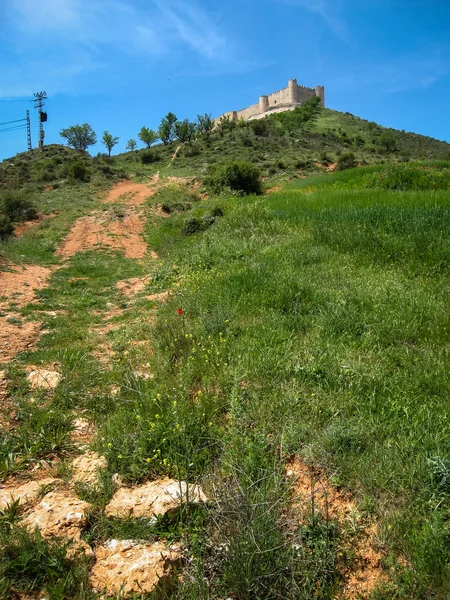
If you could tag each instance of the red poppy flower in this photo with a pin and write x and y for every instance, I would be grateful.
(180, 311)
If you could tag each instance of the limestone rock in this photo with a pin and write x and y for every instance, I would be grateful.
(58, 515)
(43, 379)
(153, 499)
(83, 430)
(127, 567)
(26, 493)
(87, 466)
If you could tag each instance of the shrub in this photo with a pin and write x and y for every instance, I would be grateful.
(387, 142)
(260, 127)
(6, 227)
(192, 225)
(17, 208)
(241, 177)
(346, 161)
(149, 157)
(78, 171)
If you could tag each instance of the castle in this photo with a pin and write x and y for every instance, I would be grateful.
(286, 99)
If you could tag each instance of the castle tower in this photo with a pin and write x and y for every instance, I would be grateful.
(263, 104)
(320, 91)
(293, 91)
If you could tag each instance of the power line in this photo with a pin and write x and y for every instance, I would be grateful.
(13, 128)
(16, 121)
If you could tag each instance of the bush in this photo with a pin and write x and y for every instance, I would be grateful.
(387, 142)
(149, 157)
(346, 161)
(260, 127)
(78, 171)
(6, 227)
(17, 208)
(192, 225)
(241, 177)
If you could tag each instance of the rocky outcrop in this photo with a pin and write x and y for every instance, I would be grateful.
(127, 567)
(58, 514)
(153, 499)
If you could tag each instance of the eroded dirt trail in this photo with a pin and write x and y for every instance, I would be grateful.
(116, 229)
(111, 231)
(18, 287)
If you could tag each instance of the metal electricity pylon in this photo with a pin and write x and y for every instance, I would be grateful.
(39, 101)
(30, 147)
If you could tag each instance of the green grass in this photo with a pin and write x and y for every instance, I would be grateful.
(314, 322)
(333, 307)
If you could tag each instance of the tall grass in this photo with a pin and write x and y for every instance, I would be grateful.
(334, 303)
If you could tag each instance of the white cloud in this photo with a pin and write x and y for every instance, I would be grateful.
(194, 27)
(328, 11)
(64, 39)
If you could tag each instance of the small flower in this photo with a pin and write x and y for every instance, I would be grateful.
(148, 460)
(109, 445)
(180, 311)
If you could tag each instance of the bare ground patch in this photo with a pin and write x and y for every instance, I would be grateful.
(100, 231)
(313, 492)
(18, 288)
(133, 194)
(133, 286)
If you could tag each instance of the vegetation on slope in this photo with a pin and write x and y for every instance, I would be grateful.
(310, 322)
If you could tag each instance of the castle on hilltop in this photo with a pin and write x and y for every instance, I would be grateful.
(286, 99)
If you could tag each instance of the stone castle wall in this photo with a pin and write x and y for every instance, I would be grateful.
(285, 99)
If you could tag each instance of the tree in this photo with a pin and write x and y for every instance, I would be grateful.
(185, 130)
(79, 137)
(302, 116)
(205, 124)
(131, 145)
(387, 141)
(224, 125)
(109, 141)
(166, 130)
(147, 136)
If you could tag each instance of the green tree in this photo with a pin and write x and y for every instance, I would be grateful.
(109, 141)
(205, 124)
(387, 141)
(147, 136)
(79, 137)
(131, 145)
(185, 130)
(225, 125)
(166, 130)
(301, 117)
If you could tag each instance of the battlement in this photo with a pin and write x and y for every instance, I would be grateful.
(287, 98)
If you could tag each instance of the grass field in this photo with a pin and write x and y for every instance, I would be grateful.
(311, 321)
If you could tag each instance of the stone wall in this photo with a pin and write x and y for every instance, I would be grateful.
(287, 99)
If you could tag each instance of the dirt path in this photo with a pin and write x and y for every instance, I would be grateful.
(134, 194)
(18, 288)
(117, 230)
(123, 232)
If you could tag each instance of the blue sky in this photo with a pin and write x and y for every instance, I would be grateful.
(122, 64)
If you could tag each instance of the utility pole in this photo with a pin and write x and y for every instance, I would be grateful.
(39, 101)
(29, 131)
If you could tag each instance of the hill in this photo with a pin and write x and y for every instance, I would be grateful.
(285, 152)
(219, 395)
